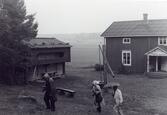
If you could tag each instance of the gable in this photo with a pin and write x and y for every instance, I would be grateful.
(157, 52)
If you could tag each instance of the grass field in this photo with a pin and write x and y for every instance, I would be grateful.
(84, 50)
(142, 96)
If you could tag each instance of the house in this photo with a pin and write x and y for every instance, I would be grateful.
(48, 55)
(137, 46)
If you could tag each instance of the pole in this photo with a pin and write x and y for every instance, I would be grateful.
(34, 72)
(148, 64)
(105, 63)
(100, 65)
(156, 63)
(105, 58)
(105, 71)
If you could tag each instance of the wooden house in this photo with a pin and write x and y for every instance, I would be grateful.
(48, 55)
(137, 46)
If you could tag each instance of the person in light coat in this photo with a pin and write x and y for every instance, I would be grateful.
(118, 100)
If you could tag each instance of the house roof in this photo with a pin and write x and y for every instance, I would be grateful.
(157, 51)
(137, 28)
(46, 43)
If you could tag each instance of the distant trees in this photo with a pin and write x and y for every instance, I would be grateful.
(15, 26)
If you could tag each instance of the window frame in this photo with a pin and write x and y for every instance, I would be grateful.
(125, 42)
(130, 60)
(163, 40)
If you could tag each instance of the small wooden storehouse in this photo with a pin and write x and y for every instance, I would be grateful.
(48, 55)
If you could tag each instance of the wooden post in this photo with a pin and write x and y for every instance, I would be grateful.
(34, 73)
(106, 66)
(105, 71)
(148, 64)
(156, 63)
(107, 63)
(64, 68)
(101, 78)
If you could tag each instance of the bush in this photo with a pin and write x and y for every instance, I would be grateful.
(99, 67)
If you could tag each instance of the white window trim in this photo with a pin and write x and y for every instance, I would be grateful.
(126, 42)
(159, 38)
(127, 51)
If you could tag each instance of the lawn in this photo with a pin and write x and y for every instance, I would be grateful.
(142, 96)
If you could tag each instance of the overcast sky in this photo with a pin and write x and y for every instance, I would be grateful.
(89, 16)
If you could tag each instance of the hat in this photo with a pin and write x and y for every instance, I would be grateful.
(112, 84)
(115, 84)
(95, 82)
(51, 80)
(46, 75)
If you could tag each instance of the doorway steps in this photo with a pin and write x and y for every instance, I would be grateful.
(157, 75)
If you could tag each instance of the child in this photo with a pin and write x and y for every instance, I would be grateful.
(118, 99)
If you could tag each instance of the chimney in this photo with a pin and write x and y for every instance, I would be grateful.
(1, 4)
(145, 18)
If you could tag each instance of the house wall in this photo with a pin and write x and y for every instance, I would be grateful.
(139, 46)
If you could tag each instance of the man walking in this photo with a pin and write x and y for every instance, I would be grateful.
(50, 93)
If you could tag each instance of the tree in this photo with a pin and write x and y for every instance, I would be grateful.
(15, 27)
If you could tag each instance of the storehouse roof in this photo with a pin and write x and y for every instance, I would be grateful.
(47, 43)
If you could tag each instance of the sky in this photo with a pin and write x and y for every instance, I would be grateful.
(90, 16)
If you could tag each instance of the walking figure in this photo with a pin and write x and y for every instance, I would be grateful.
(50, 93)
(118, 100)
(97, 93)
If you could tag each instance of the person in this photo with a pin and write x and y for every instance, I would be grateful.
(50, 93)
(118, 99)
(97, 93)
(53, 95)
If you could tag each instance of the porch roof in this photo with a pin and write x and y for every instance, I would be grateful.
(157, 51)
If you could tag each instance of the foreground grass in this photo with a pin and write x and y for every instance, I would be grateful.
(142, 96)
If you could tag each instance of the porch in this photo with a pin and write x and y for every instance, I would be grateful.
(157, 60)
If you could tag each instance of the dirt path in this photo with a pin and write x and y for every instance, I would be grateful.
(142, 96)
(136, 89)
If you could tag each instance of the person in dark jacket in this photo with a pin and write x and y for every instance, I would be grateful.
(50, 93)
(53, 95)
(97, 93)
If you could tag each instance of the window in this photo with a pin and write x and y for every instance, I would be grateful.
(126, 40)
(162, 41)
(126, 57)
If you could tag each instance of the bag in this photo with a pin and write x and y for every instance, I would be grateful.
(55, 98)
(99, 98)
(103, 102)
(53, 94)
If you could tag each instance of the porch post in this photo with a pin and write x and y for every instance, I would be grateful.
(156, 63)
(148, 64)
